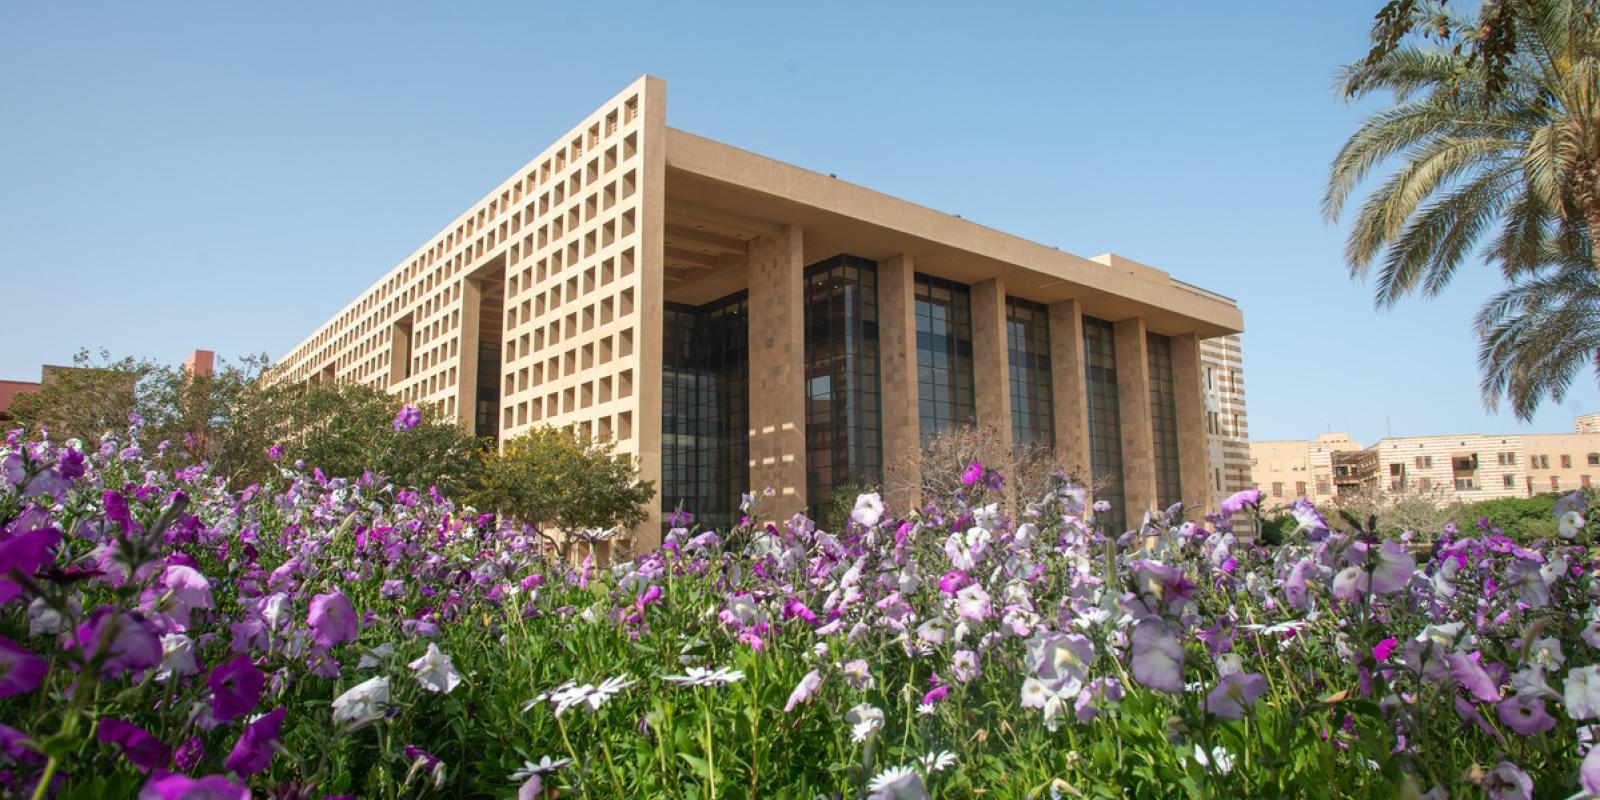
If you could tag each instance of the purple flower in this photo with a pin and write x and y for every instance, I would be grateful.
(26, 553)
(190, 754)
(1589, 772)
(253, 752)
(1157, 655)
(408, 418)
(1525, 715)
(139, 746)
(1507, 782)
(804, 690)
(13, 745)
(1381, 651)
(275, 452)
(235, 688)
(168, 786)
(332, 619)
(1235, 694)
(1239, 500)
(1394, 569)
(971, 474)
(134, 643)
(1473, 677)
(21, 670)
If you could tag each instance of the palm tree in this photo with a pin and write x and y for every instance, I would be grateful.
(1516, 164)
(1537, 334)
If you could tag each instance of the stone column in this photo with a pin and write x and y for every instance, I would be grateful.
(897, 362)
(1138, 439)
(1194, 462)
(991, 363)
(1070, 390)
(777, 371)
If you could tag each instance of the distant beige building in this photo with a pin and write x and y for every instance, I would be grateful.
(737, 323)
(1292, 468)
(1454, 468)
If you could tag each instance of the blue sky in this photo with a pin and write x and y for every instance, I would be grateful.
(228, 175)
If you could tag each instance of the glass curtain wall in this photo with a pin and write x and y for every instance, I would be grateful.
(844, 429)
(1033, 420)
(1105, 421)
(944, 355)
(705, 440)
(1164, 419)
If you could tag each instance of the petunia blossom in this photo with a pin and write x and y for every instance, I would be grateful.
(235, 688)
(1157, 656)
(1235, 694)
(253, 752)
(21, 670)
(435, 672)
(804, 690)
(332, 619)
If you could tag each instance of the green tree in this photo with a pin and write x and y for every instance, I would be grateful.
(1536, 335)
(1506, 161)
(94, 395)
(559, 482)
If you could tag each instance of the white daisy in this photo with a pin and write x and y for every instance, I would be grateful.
(700, 676)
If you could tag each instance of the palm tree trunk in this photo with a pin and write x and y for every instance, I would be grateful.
(1586, 196)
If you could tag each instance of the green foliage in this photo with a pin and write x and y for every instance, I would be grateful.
(844, 502)
(1525, 519)
(554, 478)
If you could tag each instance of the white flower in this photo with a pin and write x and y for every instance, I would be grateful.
(1582, 692)
(700, 676)
(1570, 524)
(925, 709)
(435, 672)
(1546, 652)
(364, 702)
(939, 762)
(864, 719)
(570, 695)
(868, 510)
(544, 766)
(1221, 757)
(898, 783)
(177, 656)
(804, 690)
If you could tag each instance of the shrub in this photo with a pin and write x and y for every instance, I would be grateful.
(558, 482)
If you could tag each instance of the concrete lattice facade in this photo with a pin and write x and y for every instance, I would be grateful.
(554, 286)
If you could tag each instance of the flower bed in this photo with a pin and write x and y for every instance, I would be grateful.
(163, 635)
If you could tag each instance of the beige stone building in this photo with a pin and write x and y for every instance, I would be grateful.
(1454, 468)
(737, 322)
(1287, 469)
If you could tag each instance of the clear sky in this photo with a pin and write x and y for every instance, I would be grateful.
(228, 175)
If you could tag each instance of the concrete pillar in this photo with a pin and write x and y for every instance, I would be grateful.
(777, 371)
(1067, 383)
(991, 370)
(897, 364)
(1138, 439)
(1194, 462)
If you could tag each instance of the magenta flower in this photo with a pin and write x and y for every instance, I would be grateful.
(26, 553)
(1525, 715)
(139, 746)
(190, 754)
(1381, 651)
(253, 752)
(1235, 694)
(21, 670)
(332, 619)
(235, 688)
(169, 786)
(971, 474)
(408, 418)
(1157, 656)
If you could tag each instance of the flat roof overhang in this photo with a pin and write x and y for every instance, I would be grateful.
(718, 197)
